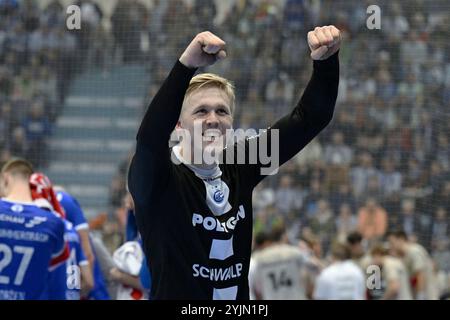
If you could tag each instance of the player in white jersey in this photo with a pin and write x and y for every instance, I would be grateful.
(342, 280)
(418, 264)
(394, 284)
(278, 271)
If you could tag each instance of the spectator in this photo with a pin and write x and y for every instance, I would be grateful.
(346, 222)
(37, 130)
(322, 223)
(343, 195)
(440, 227)
(312, 198)
(372, 220)
(337, 153)
(18, 145)
(6, 122)
(361, 174)
(338, 157)
(287, 198)
(263, 196)
(417, 226)
(127, 23)
(390, 179)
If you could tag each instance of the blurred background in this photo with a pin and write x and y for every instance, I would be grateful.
(71, 102)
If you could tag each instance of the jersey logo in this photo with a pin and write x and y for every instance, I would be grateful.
(212, 223)
(17, 208)
(35, 221)
(218, 196)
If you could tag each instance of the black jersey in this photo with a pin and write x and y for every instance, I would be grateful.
(192, 253)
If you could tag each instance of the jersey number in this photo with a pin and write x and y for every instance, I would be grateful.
(280, 280)
(6, 257)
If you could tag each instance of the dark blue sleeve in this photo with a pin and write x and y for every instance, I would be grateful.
(150, 167)
(311, 115)
(74, 213)
(81, 257)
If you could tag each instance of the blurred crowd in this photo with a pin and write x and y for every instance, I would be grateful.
(39, 57)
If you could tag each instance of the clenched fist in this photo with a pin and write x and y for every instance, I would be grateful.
(324, 42)
(204, 50)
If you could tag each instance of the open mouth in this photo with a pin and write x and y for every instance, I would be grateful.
(211, 135)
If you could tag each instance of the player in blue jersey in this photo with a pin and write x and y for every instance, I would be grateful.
(67, 280)
(31, 239)
(75, 215)
(75, 274)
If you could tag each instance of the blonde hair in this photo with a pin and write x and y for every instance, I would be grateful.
(18, 167)
(204, 80)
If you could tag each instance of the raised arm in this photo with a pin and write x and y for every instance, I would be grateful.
(164, 111)
(315, 109)
(151, 159)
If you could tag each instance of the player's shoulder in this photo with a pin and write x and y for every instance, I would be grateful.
(354, 268)
(416, 249)
(288, 251)
(63, 196)
(31, 215)
(68, 201)
(278, 253)
(70, 233)
(342, 268)
(393, 261)
(330, 269)
(328, 274)
(23, 208)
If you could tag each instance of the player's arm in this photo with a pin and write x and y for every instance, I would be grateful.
(308, 275)
(126, 279)
(75, 214)
(149, 164)
(86, 271)
(86, 246)
(316, 107)
(420, 285)
(392, 282)
(254, 281)
(308, 278)
(418, 270)
(87, 279)
(392, 289)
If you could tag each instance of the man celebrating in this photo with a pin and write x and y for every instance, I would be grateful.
(195, 217)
